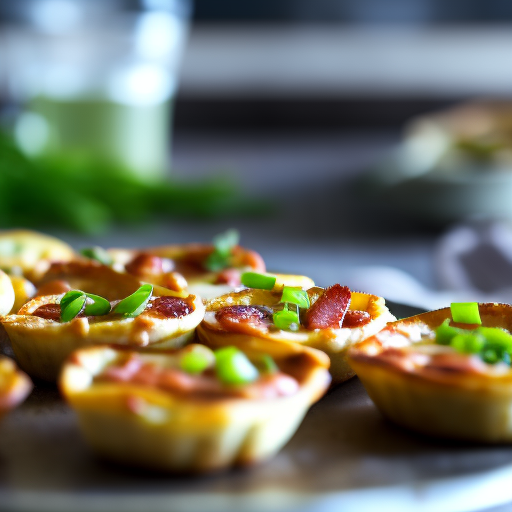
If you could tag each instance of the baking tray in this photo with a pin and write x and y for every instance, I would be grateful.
(344, 456)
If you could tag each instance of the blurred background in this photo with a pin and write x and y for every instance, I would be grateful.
(361, 141)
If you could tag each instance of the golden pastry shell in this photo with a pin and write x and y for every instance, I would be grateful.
(333, 342)
(42, 345)
(457, 404)
(186, 434)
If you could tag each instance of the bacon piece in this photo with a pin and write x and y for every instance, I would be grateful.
(249, 258)
(456, 362)
(170, 307)
(356, 318)
(205, 385)
(48, 312)
(148, 264)
(122, 373)
(330, 308)
(245, 319)
(54, 287)
(229, 276)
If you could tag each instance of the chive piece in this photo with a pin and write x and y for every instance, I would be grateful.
(465, 312)
(97, 253)
(286, 320)
(493, 355)
(69, 297)
(216, 262)
(134, 304)
(268, 364)
(223, 244)
(72, 308)
(496, 337)
(468, 343)
(260, 281)
(96, 305)
(197, 360)
(295, 296)
(445, 333)
(233, 367)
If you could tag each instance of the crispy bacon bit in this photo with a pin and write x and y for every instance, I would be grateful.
(229, 276)
(170, 307)
(455, 362)
(205, 385)
(356, 318)
(246, 319)
(249, 258)
(330, 308)
(54, 287)
(148, 264)
(122, 373)
(48, 312)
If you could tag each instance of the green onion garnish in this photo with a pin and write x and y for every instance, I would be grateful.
(223, 244)
(96, 305)
(73, 305)
(468, 343)
(445, 333)
(134, 304)
(233, 367)
(75, 302)
(495, 355)
(496, 337)
(286, 320)
(465, 312)
(197, 360)
(295, 296)
(69, 297)
(98, 254)
(260, 281)
(492, 344)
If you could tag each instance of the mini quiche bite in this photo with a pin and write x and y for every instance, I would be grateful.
(330, 320)
(29, 253)
(191, 410)
(208, 270)
(107, 308)
(444, 373)
(15, 386)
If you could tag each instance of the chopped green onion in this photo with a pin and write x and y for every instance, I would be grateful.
(216, 262)
(495, 355)
(223, 244)
(268, 364)
(70, 297)
(286, 320)
(96, 305)
(295, 296)
(197, 360)
(468, 343)
(134, 304)
(72, 307)
(465, 312)
(445, 333)
(233, 367)
(98, 254)
(260, 281)
(496, 337)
